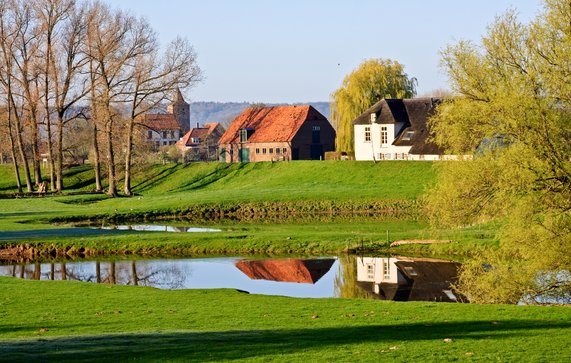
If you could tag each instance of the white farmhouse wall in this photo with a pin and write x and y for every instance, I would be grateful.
(372, 269)
(375, 149)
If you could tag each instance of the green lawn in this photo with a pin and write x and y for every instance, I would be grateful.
(306, 206)
(70, 321)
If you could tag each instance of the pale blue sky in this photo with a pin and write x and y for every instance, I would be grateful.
(300, 50)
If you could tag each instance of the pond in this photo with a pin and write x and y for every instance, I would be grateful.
(387, 278)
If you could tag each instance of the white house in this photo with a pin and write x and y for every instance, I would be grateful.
(408, 279)
(396, 129)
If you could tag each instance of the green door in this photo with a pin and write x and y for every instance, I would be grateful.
(244, 156)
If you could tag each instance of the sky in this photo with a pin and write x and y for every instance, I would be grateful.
(288, 51)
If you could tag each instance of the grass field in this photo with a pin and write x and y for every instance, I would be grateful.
(273, 194)
(69, 321)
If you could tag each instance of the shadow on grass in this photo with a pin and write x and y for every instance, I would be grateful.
(243, 344)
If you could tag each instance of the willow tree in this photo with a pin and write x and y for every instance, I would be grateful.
(373, 80)
(514, 110)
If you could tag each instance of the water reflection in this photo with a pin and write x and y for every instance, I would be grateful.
(156, 228)
(406, 279)
(306, 271)
(389, 278)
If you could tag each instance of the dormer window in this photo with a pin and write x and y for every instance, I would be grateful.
(373, 117)
(195, 140)
(408, 135)
(243, 135)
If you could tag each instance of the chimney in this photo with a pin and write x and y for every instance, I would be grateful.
(198, 125)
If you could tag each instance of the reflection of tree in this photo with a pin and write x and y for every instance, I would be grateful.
(161, 273)
(346, 279)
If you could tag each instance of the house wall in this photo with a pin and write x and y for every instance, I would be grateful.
(303, 139)
(374, 149)
(371, 269)
(256, 151)
(158, 140)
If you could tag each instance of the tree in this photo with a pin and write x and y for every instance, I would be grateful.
(373, 80)
(513, 87)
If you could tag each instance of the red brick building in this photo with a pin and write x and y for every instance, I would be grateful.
(277, 133)
(201, 143)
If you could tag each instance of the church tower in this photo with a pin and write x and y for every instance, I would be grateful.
(181, 111)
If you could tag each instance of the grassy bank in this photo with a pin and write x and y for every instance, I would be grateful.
(306, 207)
(67, 321)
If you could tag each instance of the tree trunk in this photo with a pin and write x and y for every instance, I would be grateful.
(134, 272)
(96, 161)
(13, 152)
(128, 153)
(22, 152)
(59, 165)
(112, 177)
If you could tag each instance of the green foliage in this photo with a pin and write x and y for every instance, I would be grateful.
(373, 80)
(514, 87)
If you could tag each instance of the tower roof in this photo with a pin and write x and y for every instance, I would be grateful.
(178, 98)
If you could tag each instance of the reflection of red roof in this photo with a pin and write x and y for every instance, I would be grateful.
(286, 270)
(160, 122)
(270, 124)
(200, 133)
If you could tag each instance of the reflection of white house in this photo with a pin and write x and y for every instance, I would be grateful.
(396, 129)
(404, 279)
(378, 271)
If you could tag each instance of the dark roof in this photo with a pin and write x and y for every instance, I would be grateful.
(161, 122)
(286, 270)
(270, 124)
(178, 98)
(414, 114)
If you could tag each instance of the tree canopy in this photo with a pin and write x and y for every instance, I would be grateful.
(373, 80)
(514, 87)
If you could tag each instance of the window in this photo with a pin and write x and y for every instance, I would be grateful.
(164, 143)
(257, 150)
(243, 135)
(370, 271)
(316, 135)
(271, 150)
(157, 144)
(264, 151)
(408, 135)
(149, 134)
(387, 269)
(284, 150)
(421, 157)
(172, 134)
(277, 150)
(165, 134)
(195, 140)
(384, 135)
(373, 117)
(367, 134)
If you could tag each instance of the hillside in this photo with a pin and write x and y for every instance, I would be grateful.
(301, 184)
(225, 112)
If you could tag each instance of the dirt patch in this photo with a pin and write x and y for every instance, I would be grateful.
(419, 242)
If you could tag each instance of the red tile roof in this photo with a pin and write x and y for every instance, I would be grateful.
(161, 122)
(271, 124)
(197, 132)
(286, 270)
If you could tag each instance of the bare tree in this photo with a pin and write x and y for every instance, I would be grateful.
(9, 29)
(153, 81)
(114, 43)
(25, 57)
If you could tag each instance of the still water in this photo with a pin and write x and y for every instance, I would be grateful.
(386, 278)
